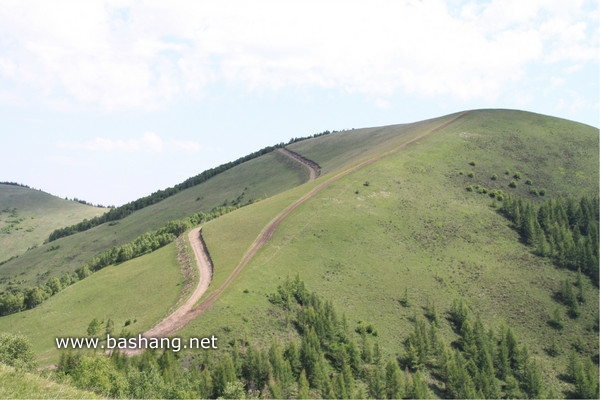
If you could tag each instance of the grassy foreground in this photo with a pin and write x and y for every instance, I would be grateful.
(24, 385)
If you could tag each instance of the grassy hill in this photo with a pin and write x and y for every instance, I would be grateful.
(383, 242)
(27, 217)
(406, 223)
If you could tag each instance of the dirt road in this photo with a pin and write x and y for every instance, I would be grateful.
(313, 167)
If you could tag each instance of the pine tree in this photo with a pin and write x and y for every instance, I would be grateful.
(303, 386)
(586, 379)
(394, 381)
(557, 319)
(419, 388)
(205, 387)
(532, 380)
(223, 375)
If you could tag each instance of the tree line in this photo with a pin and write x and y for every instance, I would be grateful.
(117, 213)
(15, 299)
(123, 211)
(563, 229)
(326, 359)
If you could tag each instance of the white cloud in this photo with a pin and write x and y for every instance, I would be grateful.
(143, 55)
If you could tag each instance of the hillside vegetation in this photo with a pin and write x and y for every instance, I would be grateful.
(403, 263)
(407, 226)
(27, 216)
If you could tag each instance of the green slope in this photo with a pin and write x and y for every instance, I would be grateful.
(251, 181)
(416, 228)
(27, 217)
(142, 291)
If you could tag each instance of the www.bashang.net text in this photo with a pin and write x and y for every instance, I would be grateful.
(139, 342)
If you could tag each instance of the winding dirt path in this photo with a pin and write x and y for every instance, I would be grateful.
(182, 315)
(187, 311)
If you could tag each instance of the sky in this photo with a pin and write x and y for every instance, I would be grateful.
(108, 101)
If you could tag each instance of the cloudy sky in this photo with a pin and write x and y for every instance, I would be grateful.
(108, 101)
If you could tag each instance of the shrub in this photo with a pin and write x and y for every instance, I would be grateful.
(506, 172)
(517, 175)
(471, 175)
(366, 183)
(529, 182)
(16, 350)
(472, 163)
(533, 191)
(494, 177)
(512, 184)
(469, 188)
(461, 172)
(542, 192)
(499, 197)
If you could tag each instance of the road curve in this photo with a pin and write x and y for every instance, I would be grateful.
(182, 315)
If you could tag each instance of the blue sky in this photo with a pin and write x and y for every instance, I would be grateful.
(108, 101)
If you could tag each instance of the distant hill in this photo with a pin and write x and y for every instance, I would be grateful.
(27, 216)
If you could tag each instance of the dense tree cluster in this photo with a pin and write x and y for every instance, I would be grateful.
(123, 211)
(563, 229)
(16, 299)
(327, 360)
